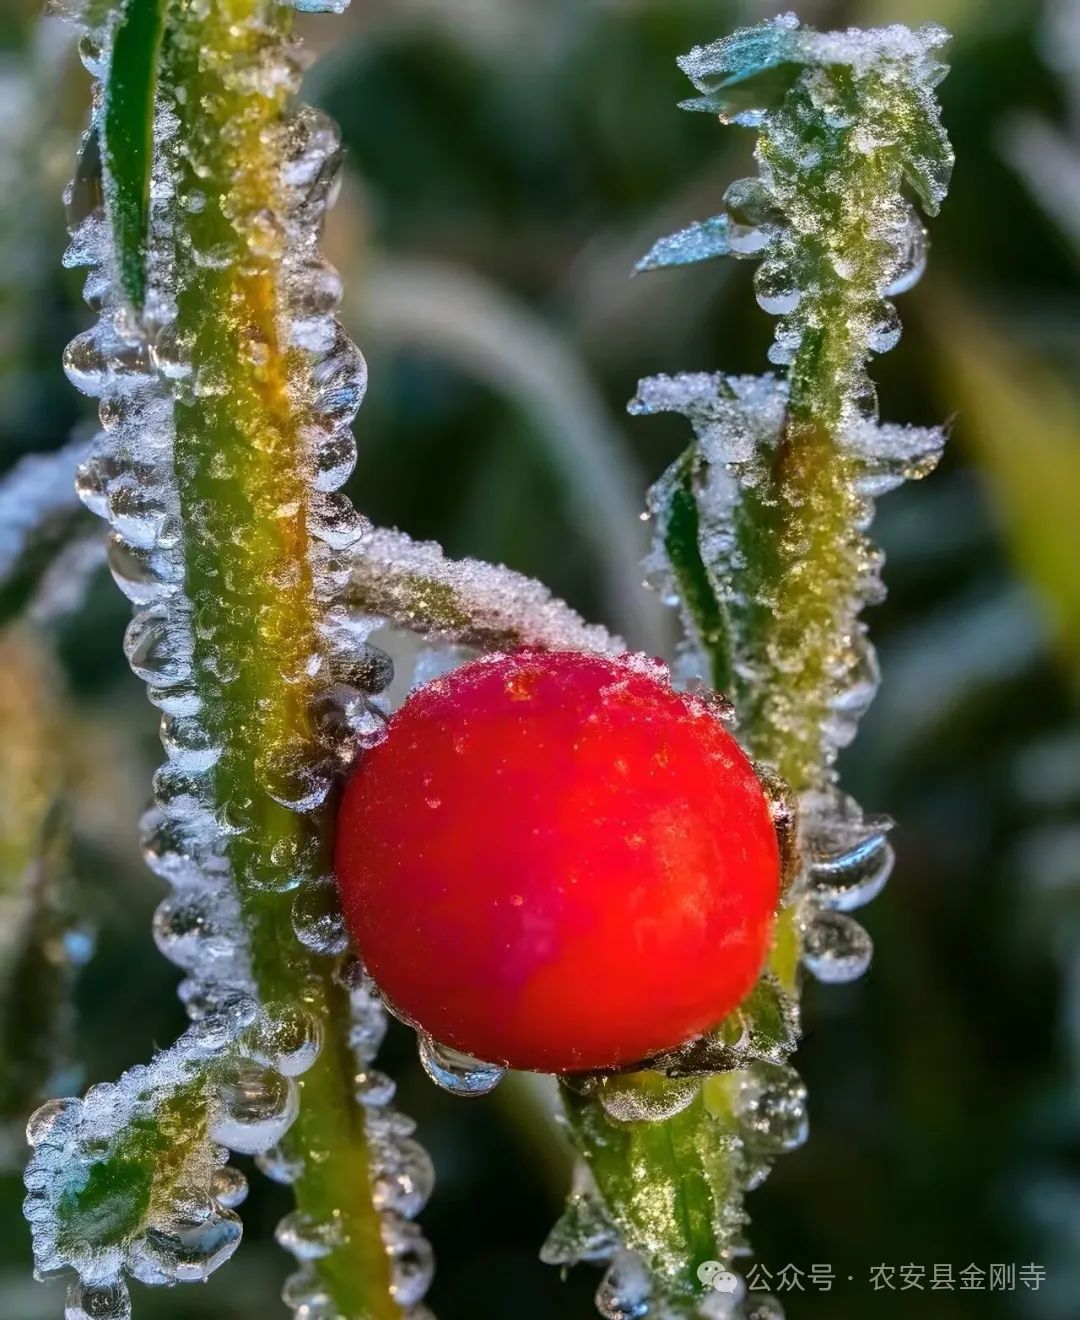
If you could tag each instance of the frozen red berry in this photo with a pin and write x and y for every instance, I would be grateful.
(557, 862)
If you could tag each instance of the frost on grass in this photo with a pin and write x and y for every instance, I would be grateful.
(226, 391)
(38, 522)
(466, 601)
(761, 543)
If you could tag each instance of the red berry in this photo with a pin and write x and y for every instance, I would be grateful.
(555, 861)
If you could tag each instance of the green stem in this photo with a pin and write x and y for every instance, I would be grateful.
(246, 515)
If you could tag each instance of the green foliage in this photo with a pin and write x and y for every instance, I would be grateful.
(128, 135)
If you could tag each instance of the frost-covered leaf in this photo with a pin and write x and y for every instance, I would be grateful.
(129, 1179)
(128, 127)
(668, 1186)
(697, 242)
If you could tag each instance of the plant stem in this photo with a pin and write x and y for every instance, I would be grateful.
(246, 509)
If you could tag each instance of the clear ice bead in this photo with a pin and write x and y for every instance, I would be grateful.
(187, 1252)
(188, 743)
(911, 257)
(374, 1088)
(403, 1178)
(157, 648)
(412, 1261)
(254, 1107)
(98, 1301)
(50, 1121)
(144, 576)
(306, 1237)
(770, 1105)
(625, 1292)
(288, 1038)
(317, 919)
(836, 949)
(458, 1073)
(229, 1187)
(847, 863)
(279, 1166)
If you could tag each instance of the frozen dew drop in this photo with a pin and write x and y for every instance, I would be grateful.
(775, 289)
(335, 521)
(229, 1187)
(188, 743)
(144, 576)
(412, 1261)
(749, 202)
(305, 1293)
(157, 649)
(254, 1107)
(98, 1301)
(403, 1177)
(91, 481)
(770, 1105)
(51, 1120)
(847, 862)
(458, 1073)
(279, 1166)
(85, 365)
(169, 356)
(339, 382)
(625, 1292)
(182, 795)
(307, 1237)
(373, 1088)
(288, 1038)
(911, 256)
(188, 1250)
(367, 724)
(317, 919)
(368, 1024)
(298, 778)
(333, 457)
(836, 949)
(885, 330)
(169, 849)
(364, 667)
(646, 1097)
(137, 509)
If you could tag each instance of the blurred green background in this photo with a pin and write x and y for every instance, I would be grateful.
(508, 160)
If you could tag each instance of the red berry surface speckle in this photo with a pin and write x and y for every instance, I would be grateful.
(557, 862)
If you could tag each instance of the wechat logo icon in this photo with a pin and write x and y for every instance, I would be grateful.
(713, 1275)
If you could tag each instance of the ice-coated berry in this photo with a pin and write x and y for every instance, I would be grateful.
(557, 862)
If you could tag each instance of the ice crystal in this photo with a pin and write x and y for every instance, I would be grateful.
(226, 392)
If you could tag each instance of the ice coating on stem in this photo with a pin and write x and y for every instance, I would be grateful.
(742, 503)
(761, 543)
(226, 391)
(465, 601)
